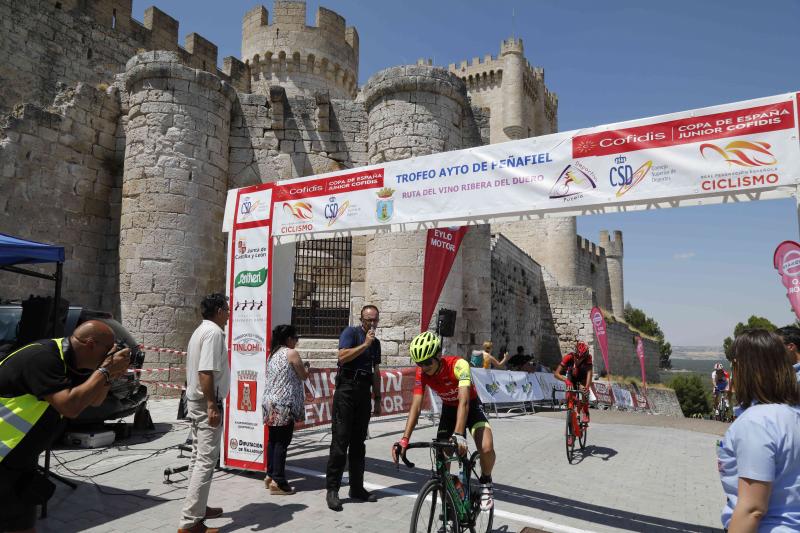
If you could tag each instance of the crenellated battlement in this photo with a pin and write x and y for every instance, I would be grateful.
(614, 247)
(158, 31)
(590, 249)
(303, 59)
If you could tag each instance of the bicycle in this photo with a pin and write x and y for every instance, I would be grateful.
(575, 430)
(722, 409)
(441, 506)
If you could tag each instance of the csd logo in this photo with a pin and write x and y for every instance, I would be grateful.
(621, 174)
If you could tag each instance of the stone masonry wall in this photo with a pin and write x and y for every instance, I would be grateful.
(622, 353)
(172, 251)
(60, 173)
(565, 318)
(274, 137)
(516, 281)
(90, 42)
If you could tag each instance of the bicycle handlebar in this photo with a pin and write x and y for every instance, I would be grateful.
(401, 452)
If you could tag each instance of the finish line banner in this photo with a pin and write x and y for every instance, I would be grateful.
(737, 148)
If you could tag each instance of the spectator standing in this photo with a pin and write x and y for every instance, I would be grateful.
(791, 339)
(759, 457)
(207, 384)
(357, 382)
(39, 384)
(489, 361)
(283, 403)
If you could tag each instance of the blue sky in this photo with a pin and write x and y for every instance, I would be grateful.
(696, 270)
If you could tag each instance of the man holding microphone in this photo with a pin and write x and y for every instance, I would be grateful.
(357, 382)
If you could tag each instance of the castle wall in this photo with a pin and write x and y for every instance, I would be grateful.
(622, 356)
(514, 91)
(302, 59)
(172, 251)
(274, 137)
(60, 173)
(516, 282)
(87, 42)
(565, 318)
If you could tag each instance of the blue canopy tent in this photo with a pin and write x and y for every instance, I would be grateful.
(16, 251)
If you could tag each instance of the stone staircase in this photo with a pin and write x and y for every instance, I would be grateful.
(321, 353)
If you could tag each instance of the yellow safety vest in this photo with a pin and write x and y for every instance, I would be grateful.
(20, 413)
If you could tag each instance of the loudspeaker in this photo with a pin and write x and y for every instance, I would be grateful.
(446, 322)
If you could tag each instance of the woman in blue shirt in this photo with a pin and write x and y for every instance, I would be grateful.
(759, 457)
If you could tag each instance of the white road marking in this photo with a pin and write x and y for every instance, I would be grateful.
(524, 519)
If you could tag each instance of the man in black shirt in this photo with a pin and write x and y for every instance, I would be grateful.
(358, 372)
(39, 384)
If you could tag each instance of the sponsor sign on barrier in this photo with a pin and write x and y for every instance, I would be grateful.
(504, 386)
(397, 386)
(603, 392)
(622, 397)
(549, 383)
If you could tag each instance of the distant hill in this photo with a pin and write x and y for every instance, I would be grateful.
(696, 365)
(714, 353)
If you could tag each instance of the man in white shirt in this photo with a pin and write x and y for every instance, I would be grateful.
(207, 384)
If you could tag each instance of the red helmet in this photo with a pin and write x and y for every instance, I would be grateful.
(581, 348)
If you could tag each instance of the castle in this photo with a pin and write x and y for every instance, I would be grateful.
(120, 144)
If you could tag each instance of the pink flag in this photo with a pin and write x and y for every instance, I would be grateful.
(440, 251)
(599, 324)
(787, 262)
(640, 353)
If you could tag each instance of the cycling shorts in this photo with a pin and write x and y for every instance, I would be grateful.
(476, 419)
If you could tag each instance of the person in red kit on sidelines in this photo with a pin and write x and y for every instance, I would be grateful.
(575, 370)
(449, 376)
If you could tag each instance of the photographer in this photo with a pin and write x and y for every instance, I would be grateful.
(39, 384)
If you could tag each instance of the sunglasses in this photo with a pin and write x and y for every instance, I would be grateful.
(426, 362)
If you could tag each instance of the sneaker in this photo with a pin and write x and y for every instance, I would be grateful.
(363, 495)
(213, 512)
(267, 482)
(333, 501)
(487, 496)
(570, 440)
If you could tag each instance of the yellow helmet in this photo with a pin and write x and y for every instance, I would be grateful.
(424, 346)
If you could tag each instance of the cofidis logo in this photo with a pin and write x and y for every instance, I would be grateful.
(622, 175)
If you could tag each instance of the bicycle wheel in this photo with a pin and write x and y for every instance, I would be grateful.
(481, 520)
(570, 437)
(434, 511)
(582, 439)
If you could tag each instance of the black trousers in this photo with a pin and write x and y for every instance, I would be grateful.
(352, 408)
(279, 439)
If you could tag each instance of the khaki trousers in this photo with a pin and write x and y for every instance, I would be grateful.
(205, 453)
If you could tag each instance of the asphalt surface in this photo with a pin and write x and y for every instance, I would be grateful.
(638, 473)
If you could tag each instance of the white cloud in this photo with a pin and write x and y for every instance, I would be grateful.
(683, 256)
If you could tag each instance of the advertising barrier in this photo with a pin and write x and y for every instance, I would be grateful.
(397, 386)
(505, 386)
(549, 383)
(603, 392)
(622, 397)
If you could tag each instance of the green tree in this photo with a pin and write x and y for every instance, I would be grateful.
(752, 323)
(691, 394)
(639, 320)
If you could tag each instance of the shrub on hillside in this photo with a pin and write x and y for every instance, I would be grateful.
(692, 395)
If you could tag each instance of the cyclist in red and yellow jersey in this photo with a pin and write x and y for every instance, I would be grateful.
(577, 366)
(449, 377)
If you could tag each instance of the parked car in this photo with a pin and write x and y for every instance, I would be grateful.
(127, 394)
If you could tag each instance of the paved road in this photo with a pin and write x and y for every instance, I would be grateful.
(641, 473)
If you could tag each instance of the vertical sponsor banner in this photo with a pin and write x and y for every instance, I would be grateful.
(441, 247)
(599, 325)
(640, 354)
(249, 287)
(786, 261)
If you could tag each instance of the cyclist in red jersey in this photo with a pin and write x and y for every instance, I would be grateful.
(575, 370)
(449, 377)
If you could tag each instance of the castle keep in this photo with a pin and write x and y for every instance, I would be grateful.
(120, 144)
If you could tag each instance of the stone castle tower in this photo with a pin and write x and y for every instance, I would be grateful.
(123, 147)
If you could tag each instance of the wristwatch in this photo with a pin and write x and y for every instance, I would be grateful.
(106, 373)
